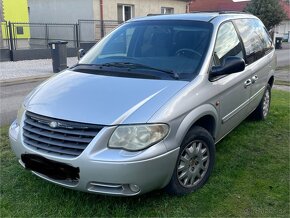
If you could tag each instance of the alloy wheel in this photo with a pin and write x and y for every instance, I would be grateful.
(193, 164)
(266, 103)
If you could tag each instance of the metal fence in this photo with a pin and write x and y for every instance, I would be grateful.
(25, 37)
(91, 31)
(38, 35)
(4, 38)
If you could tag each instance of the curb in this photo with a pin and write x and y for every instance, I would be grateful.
(21, 80)
(282, 88)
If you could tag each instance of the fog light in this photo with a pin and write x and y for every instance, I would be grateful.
(134, 188)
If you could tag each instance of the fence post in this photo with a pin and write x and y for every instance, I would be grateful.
(14, 36)
(77, 35)
(79, 31)
(11, 41)
(46, 35)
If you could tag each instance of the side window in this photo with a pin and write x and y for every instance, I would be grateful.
(266, 38)
(255, 38)
(227, 44)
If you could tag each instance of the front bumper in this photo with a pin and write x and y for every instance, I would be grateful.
(109, 171)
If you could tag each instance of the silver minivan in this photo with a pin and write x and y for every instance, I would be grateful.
(145, 107)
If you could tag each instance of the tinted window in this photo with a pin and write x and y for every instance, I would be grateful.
(176, 46)
(119, 44)
(227, 44)
(255, 38)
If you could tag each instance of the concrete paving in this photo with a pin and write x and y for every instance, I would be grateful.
(283, 75)
(29, 68)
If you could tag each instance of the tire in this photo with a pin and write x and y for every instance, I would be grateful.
(263, 108)
(192, 163)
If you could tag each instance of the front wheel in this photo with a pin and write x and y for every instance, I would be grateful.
(194, 163)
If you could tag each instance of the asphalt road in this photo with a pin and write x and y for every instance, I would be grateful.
(283, 57)
(11, 97)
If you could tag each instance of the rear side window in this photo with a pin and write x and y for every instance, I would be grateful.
(255, 37)
(227, 44)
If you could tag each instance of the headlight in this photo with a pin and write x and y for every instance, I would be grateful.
(137, 137)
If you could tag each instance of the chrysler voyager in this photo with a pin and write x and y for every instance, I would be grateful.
(144, 108)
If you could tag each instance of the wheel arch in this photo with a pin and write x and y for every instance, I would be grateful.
(205, 116)
(271, 81)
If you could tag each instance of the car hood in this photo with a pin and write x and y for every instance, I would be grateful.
(100, 99)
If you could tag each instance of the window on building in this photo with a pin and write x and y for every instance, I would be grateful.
(19, 30)
(227, 44)
(125, 12)
(166, 10)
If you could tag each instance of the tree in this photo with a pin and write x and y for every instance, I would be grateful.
(269, 11)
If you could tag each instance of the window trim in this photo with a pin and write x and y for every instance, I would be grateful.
(171, 8)
(123, 11)
(242, 42)
(212, 55)
(267, 51)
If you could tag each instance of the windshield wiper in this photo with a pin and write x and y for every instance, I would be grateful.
(137, 65)
(98, 69)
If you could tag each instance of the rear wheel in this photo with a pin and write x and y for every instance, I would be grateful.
(263, 109)
(195, 162)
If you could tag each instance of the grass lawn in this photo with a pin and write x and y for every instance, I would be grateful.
(251, 178)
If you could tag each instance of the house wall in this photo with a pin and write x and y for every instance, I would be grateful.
(16, 14)
(59, 11)
(141, 7)
(70, 11)
(15, 10)
(283, 30)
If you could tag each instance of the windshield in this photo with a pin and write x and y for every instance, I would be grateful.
(157, 47)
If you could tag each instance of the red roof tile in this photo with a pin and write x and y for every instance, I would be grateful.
(286, 8)
(217, 5)
(226, 5)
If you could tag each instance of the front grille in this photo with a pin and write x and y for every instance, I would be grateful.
(57, 136)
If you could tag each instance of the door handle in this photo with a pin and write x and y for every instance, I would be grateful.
(247, 83)
(254, 79)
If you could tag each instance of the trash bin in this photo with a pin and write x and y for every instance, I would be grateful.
(58, 55)
(278, 42)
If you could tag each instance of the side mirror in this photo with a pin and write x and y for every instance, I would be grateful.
(230, 65)
(81, 53)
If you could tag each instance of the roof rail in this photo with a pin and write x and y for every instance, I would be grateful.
(221, 12)
(233, 12)
(148, 15)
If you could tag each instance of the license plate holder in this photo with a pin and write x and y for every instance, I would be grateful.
(52, 169)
